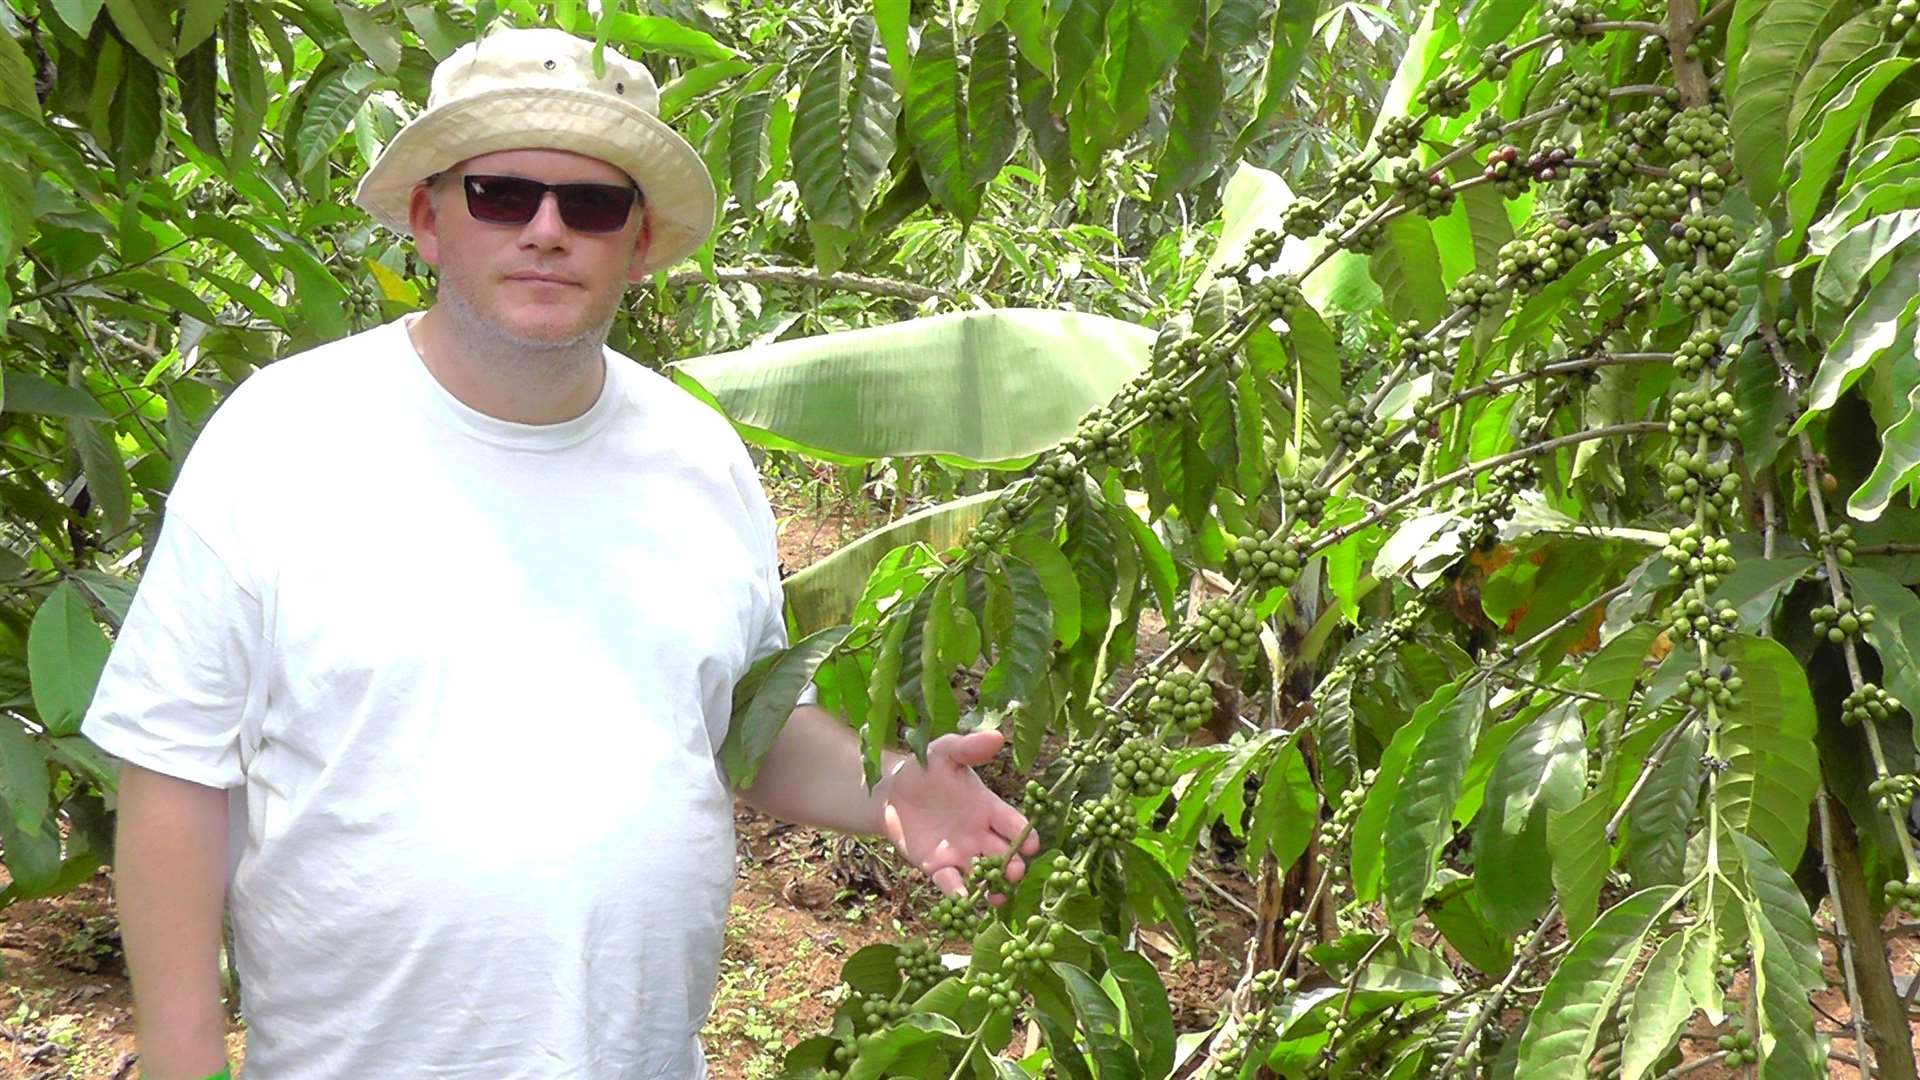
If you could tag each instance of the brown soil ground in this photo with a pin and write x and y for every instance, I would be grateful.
(804, 902)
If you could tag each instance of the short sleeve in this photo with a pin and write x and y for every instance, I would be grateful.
(182, 679)
(772, 636)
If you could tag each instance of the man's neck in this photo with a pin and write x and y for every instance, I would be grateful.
(505, 382)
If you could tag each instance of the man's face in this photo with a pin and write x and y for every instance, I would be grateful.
(540, 285)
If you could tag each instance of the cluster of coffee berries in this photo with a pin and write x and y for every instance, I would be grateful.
(1445, 96)
(958, 916)
(1104, 823)
(1532, 261)
(1903, 24)
(1739, 1049)
(1893, 794)
(994, 989)
(1707, 291)
(1233, 630)
(1704, 412)
(1065, 879)
(1485, 128)
(1658, 200)
(920, 966)
(1381, 641)
(1700, 351)
(1586, 98)
(1709, 233)
(1494, 62)
(1270, 559)
(1351, 425)
(1304, 499)
(1278, 295)
(1496, 506)
(989, 874)
(1550, 164)
(1153, 396)
(1419, 351)
(1354, 176)
(1304, 218)
(1703, 44)
(1029, 952)
(1059, 474)
(1870, 702)
(1357, 228)
(1140, 767)
(1181, 699)
(1699, 486)
(1614, 159)
(1333, 832)
(1712, 182)
(1698, 132)
(1842, 542)
(1689, 616)
(1427, 192)
(1505, 172)
(1399, 136)
(1695, 556)
(1097, 440)
(870, 1012)
(1904, 895)
(1569, 18)
(1478, 294)
(989, 532)
(1839, 621)
(1718, 689)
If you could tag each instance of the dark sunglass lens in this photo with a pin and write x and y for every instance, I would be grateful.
(595, 207)
(504, 200)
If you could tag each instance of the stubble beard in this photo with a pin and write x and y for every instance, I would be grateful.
(482, 335)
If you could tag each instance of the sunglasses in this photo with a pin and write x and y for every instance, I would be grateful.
(514, 200)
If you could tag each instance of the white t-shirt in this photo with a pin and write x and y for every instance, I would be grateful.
(467, 679)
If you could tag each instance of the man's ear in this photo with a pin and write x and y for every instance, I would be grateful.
(425, 223)
(641, 242)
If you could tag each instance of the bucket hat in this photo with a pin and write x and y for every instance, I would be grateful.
(535, 89)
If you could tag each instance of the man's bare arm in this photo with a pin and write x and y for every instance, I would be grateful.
(812, 775)
(170, 883)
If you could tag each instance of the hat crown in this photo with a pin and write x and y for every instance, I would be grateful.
(536, 59)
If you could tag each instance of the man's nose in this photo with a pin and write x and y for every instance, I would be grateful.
(547, 229)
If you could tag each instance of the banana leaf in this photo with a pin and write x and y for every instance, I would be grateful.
(977, 389)
(824, 594)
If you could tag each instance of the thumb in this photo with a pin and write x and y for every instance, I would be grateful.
(972, 749)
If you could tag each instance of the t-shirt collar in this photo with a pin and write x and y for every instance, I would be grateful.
(491, 429)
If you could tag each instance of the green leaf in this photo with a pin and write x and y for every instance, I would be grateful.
(1287, 811)
(28, 393)
(942, 712)
(843, 129)
(1841, 55)
(1543, 768)
(655, 33)
(134, 118)
(375, 38)
(1057, 577)
(1289, 35)
(1079, 35)
(1814, 160)
(764, 698)
(1577, 841)
(1407, 266)
(1781, 44)
(1786, 969)
(1023, 655)
(197, 23)
(198, 73)
(1099, 1022)
(1145, 38)
(1899, 464)
(1620, 664)
(747, 148)
(1573, 1008)
(1869, 333)
(1660, 1009)
(1767, 738)
(331, 104)
(978, 388)
(1199, 91)
(1755, 587)
(1149, 1016)
(247, 82)
(1368, 831)
(1421, 821)
(1543, 307)
(882, 696)
(1852, 259)
(106, 472)
(1455, 912)
(825, 592)
(1655, 851)
(143, 24)
(24, 786)
(1895, 633)
(991, 105)
(65, 654)
(77, 14)
(938, 115)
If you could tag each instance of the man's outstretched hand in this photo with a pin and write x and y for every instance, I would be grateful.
(942, 817)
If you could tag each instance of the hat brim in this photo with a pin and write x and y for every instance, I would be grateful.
(673, 180)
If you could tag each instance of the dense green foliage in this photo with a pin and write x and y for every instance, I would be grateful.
(1526, 492)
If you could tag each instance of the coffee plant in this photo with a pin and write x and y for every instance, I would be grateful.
(1521, 506)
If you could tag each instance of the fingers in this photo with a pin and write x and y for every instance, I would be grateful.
(1009, 823)
(950, 880)
(976, 748)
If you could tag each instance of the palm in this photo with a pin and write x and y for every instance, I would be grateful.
(942, 817)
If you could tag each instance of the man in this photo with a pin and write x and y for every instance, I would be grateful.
(453, 683)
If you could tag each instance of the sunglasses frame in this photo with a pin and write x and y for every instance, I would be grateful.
(563, 196)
